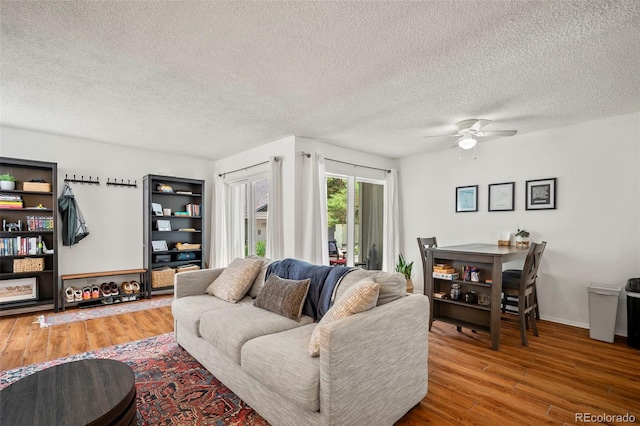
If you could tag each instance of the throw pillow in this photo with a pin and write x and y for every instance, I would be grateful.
(236, 279)
(358, 298)
(283, 297)
(254, 291)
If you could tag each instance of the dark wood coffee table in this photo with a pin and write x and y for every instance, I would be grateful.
(86, 392)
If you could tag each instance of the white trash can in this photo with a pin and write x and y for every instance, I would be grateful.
(603, 310)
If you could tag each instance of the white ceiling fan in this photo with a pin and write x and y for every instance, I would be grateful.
(470, 130)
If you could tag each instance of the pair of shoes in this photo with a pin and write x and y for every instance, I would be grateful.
(114, 288)
(69, 294)
(72, 294)
(105, 290)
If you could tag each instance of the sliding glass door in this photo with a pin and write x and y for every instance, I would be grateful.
(355, 211)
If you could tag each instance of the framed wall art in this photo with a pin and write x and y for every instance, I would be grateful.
(18, 289)
(541, 194)
(467, 198)
(501, 196)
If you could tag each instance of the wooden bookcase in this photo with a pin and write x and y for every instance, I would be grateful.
(42, 223)
(184, 195)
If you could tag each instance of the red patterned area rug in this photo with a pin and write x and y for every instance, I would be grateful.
(77, 314)
(173, 388)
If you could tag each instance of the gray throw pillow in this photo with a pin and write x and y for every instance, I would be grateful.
(283, 297)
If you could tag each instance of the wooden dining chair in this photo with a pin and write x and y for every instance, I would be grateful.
(524, 289)
(423, 244)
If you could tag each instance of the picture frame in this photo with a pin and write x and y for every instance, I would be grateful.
(163, 225)
(467, 198)
(501, 197)
(541, 194)
(157, 209)
(18, 289)
(159, 245)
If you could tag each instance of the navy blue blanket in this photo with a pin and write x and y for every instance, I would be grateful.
(323, 281)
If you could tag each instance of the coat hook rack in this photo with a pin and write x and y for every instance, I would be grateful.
(82, 180)
(122, 183)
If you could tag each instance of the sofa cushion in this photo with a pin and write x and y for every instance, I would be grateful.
(256, 287)
(392, 285)
(360, 297)
(189, 309)
(236, 279)
(283, 297)
(228, 330)
(280, 362)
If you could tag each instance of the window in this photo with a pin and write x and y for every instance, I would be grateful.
(249, 205)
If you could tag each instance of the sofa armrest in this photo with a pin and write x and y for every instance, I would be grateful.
(191, 283)
(376, 361)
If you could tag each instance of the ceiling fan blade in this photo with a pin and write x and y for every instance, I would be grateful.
(495, 133)
(441, 136)
(479, 124)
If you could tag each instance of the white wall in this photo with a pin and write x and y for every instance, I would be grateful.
(113, 214)
(592, 235)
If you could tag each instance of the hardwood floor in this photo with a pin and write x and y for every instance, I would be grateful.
(23, 342)
(561, 373)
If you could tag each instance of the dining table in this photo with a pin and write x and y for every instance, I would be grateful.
(482, 311)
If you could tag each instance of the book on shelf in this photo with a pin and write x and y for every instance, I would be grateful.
(18, 246)
(193, 209)
(441, 276)
(444, 270)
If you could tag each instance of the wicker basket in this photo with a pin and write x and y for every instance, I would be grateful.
(29, 264)
(187, 246)
(36, 186)
(162, 278)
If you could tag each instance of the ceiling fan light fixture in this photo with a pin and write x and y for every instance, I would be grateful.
(467, 142)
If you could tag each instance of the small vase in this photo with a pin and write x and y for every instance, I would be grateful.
(7, 185)
(409, 286)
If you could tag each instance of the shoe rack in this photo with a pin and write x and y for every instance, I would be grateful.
(29, 216)
(102, 288)
(174, 229)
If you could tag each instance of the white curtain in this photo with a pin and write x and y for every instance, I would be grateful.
(275, 220)
(314, 237)
(392, 222)
(236, 220)
(220, 253)
(228, 230)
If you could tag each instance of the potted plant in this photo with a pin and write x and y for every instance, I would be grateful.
(522, 238)
(7, 182)
(405, 269)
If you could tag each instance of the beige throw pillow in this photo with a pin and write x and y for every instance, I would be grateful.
(236, 279)
(283, 297)
(360, 297)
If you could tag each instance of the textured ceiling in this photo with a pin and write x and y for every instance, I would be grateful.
(216, 78)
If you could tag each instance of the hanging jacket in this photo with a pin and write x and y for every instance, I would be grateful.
(73, 227)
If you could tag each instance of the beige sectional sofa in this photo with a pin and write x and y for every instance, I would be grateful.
(372, 367)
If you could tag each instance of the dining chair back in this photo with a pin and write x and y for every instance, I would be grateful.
(524, 288)
(424, 244)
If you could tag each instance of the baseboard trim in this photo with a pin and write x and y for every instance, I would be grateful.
(622, 333)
